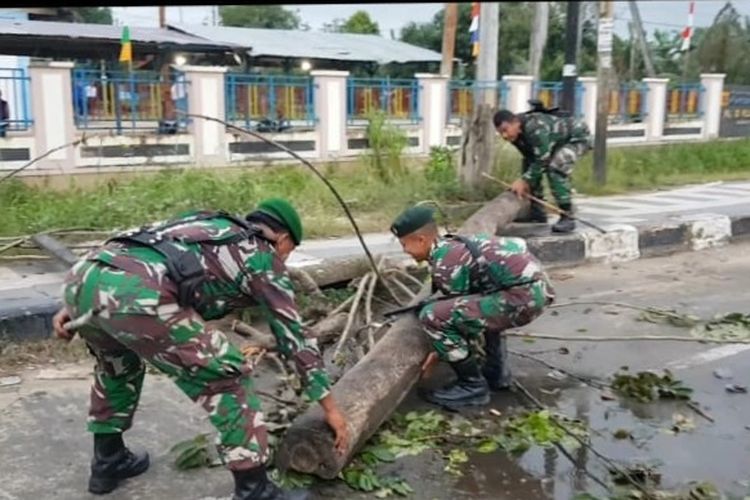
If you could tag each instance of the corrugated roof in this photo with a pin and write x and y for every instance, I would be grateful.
(158, 36)
(313, 44)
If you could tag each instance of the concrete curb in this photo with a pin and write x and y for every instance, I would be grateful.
(623, 243)
(30, 317)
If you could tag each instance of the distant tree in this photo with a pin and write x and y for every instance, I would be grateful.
(360, 22)
(92, 15)
(259, 16)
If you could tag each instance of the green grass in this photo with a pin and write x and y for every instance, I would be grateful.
(125, 203)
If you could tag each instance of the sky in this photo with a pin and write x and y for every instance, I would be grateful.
(656, 14)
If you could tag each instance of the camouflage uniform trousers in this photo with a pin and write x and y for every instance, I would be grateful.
(140, 324)
(559, 170)
(456, 325)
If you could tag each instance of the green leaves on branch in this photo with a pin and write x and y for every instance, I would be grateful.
(649, 386)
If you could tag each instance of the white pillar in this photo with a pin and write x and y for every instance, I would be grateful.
(52, 112)
(589, 100)
(520, 90)
(433, 109)
(206, 97)
(330, 112)
(713, 83)
(656, 107)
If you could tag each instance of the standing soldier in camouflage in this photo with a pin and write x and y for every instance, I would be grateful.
(550, 143)
(146, 295)
(487, 285)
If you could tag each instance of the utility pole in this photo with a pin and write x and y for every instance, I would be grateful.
(214, 15)
(450, 19)
(489, 26)
(570, 68)
(539, 37)
(641, 36)
(604, 69)
(478, 146)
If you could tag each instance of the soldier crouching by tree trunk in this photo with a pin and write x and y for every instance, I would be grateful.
(488, 285)
(551, 142)
(148, 294)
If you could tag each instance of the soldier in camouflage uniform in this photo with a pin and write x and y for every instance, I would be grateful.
(148, 294)
(489, 285)
(551, 143)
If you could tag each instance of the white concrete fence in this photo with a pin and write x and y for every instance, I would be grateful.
(206, 143)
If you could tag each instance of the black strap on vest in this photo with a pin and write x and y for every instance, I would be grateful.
(183, 266)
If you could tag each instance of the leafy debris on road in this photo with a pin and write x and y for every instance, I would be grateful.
(647, 386)
(195, 452)
(732, 326)
(668, 316)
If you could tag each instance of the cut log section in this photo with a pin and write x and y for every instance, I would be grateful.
(369, 392)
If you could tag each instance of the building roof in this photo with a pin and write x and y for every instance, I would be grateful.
(313, 44)
(58, 39)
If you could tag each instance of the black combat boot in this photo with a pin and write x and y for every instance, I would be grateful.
(113, 462)
(565, 224)
(536, 214)
(496, 369)
(253, 484)
(470, 389)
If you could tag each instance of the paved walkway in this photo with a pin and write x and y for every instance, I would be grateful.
(716, 197)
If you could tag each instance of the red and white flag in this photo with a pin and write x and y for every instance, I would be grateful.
(687, 33)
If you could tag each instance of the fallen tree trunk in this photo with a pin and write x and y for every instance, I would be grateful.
(369, 392)
(55, 249)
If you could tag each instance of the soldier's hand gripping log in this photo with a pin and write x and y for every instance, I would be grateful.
(549, 206)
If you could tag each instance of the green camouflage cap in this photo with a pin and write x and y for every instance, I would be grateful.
(284, 213)
(412, 219)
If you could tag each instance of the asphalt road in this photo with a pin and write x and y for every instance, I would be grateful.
(45, 450)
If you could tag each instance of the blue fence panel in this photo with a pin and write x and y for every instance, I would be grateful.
(550, 93)
(275, 102)
(685, 101)
(15, 86)
(397, 98)
(126, 100)
(462, 94)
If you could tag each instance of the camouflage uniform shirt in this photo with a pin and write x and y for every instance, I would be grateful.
(507, 260)
(238, 275)
(542, 134)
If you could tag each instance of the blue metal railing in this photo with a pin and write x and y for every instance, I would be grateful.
(125, 100)
(397, 98)
(628, 103)
(684, 101)
(550, 93)
(462, 95)
(285, 101)
(15, 85)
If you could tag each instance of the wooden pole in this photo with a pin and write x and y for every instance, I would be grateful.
(449, 38)
(641, 37)
(538, 37)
